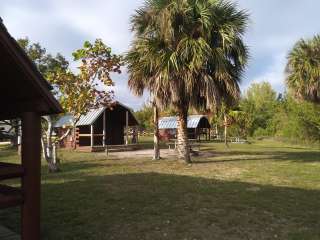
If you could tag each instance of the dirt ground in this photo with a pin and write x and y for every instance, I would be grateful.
(165, 153)
(143, 153)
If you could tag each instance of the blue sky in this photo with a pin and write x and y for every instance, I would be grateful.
(63, 26)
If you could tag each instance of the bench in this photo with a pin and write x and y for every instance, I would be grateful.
(193, 143)
(171, 145)
(238, 140)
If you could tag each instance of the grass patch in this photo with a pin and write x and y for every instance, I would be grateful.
(265, 190)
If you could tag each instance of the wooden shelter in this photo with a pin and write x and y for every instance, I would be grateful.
(98, 128)
(26, 95)
(198, 127)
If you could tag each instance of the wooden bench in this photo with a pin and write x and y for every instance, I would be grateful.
(172, 144)
(237, 140)
(193, 143)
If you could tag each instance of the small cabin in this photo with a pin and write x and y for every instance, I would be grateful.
(99, 128)
(198, 127)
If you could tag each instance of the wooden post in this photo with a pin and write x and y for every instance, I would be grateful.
(92, 137)
(31, 181)
(104, 129)
(127, 125)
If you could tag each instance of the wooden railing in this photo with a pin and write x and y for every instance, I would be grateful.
(10, 196)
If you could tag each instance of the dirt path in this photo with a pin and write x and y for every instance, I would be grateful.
(143, 153)
(165, 153)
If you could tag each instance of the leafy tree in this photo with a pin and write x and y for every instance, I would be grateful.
(97, 62)
(259, 103)
(233, 121)
(266, 114)
(187, 53)
(77, 93)
(297, 122)
(238, 120)
(303, 69)
(144, 116)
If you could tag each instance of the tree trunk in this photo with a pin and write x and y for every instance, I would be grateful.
(182, 135)
(16, 127)
(216, 129)
(48, 148)
(156, 155)
(226, 130)
(74, 138)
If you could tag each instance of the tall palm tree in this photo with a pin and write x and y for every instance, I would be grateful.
(303, 69)
(188, 53)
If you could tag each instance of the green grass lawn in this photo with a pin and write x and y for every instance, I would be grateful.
(264, 190)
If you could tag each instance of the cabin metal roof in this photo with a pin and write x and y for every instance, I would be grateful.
(171, 122)
(90, 117)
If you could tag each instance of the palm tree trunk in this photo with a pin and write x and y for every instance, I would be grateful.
(183, 141)
(226, 130)
(156, 155)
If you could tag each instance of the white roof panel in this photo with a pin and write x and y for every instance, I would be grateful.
(90, 117)
(171, 122)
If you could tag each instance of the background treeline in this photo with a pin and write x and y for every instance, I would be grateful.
(264, 113)
(260, 113)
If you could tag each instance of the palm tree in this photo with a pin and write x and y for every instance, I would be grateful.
(188, 53)
(303, 69)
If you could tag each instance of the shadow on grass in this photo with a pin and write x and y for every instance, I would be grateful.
(238, 156)
(74, 167)
(160, 206)
(310, 156)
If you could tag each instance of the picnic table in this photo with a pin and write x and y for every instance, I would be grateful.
(237, 140)
(193, 143)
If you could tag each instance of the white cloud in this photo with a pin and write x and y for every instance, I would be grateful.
(63, 25)
(274, 74)
(109, 20)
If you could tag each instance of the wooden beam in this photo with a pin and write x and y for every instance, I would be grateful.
(127, 125)
(104, 129)
(89, 135)
(9, 170)
(31, 181)
(15, 110)
(92, 137)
